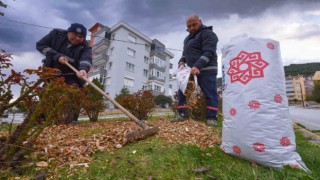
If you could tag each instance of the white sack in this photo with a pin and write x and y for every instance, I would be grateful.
(183, 74)
(256, 126)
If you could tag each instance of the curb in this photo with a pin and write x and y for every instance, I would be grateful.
(307, 133)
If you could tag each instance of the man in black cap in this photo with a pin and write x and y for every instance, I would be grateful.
(60, 46)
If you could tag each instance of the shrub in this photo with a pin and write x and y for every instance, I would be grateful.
(162, 100)
(316, 91)
(140, 104)
(93, 101)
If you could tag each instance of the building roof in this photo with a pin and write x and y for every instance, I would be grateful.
(132, 30)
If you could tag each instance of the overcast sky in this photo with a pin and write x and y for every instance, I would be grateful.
(294, 23)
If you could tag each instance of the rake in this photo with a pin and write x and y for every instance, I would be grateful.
(133, 135)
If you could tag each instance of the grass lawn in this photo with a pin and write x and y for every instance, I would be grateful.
(154, 159)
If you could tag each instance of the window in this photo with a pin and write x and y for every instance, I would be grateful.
(129, 67)
(128, 82)
(109, 66)
(159, 62)
(132, 38)
(108, 81)
(157, 48)
(145, 73)
(111, 51)
(170, 86)
(146, 60)
(97, 38)
(131, 52)
(102, 79)
(156, 73)
(157, 88)
(147, 47)
(144, 87)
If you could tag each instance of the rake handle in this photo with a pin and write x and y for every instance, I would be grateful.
(125, 111)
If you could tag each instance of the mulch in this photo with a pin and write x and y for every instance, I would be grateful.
(74, 143)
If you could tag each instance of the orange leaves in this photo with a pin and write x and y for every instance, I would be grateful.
(188, 132)
(74, 144)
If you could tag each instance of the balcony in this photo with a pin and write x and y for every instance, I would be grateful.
(155, 66)
(100, 46)
(100, 59)
(98, 72)
(156, 79)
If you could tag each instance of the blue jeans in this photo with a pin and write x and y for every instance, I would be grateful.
(208, 84)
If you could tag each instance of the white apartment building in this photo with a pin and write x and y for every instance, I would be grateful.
(295, 88)
(124, 57)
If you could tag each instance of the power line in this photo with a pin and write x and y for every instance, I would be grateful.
(46, 27)
(35, 25)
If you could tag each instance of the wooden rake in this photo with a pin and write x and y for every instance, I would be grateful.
(131, 136)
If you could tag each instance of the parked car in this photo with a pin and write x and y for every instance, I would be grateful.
(5, 114)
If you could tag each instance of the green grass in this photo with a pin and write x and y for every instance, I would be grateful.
(153, 158)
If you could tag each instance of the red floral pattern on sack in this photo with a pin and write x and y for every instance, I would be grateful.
(233, 111)
(254, 105)
(295, 166)
(270, 45)
(277, 98)
(246, 66)
(285, 141)
(259, 147)
(236, 149)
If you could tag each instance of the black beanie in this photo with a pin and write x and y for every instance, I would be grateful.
(78, 28)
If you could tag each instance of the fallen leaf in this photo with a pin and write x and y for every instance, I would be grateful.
(112, 163)
(42, 164)
(131, 162)
(118, 146)
(200, 170)
(254, 165)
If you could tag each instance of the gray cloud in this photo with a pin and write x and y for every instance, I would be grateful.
(149, 16)
(307, 31)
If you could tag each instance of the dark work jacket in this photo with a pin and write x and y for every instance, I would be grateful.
(56, 44)
(200, 50)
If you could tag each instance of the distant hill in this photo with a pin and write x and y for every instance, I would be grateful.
(307, 69)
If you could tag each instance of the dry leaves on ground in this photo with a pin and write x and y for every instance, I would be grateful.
(74, 143)
(188, 132)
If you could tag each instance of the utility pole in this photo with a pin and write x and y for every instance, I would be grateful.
(301, 94)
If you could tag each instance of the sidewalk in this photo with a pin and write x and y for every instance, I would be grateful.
(315, 138)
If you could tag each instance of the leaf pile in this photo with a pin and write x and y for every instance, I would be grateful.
(188, 132)
(74, 143)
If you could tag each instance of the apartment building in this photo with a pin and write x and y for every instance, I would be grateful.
(316, 76)
(124, 57)
(308, 84)
(295, 88)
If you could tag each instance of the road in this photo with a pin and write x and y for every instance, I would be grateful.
(310, 118)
